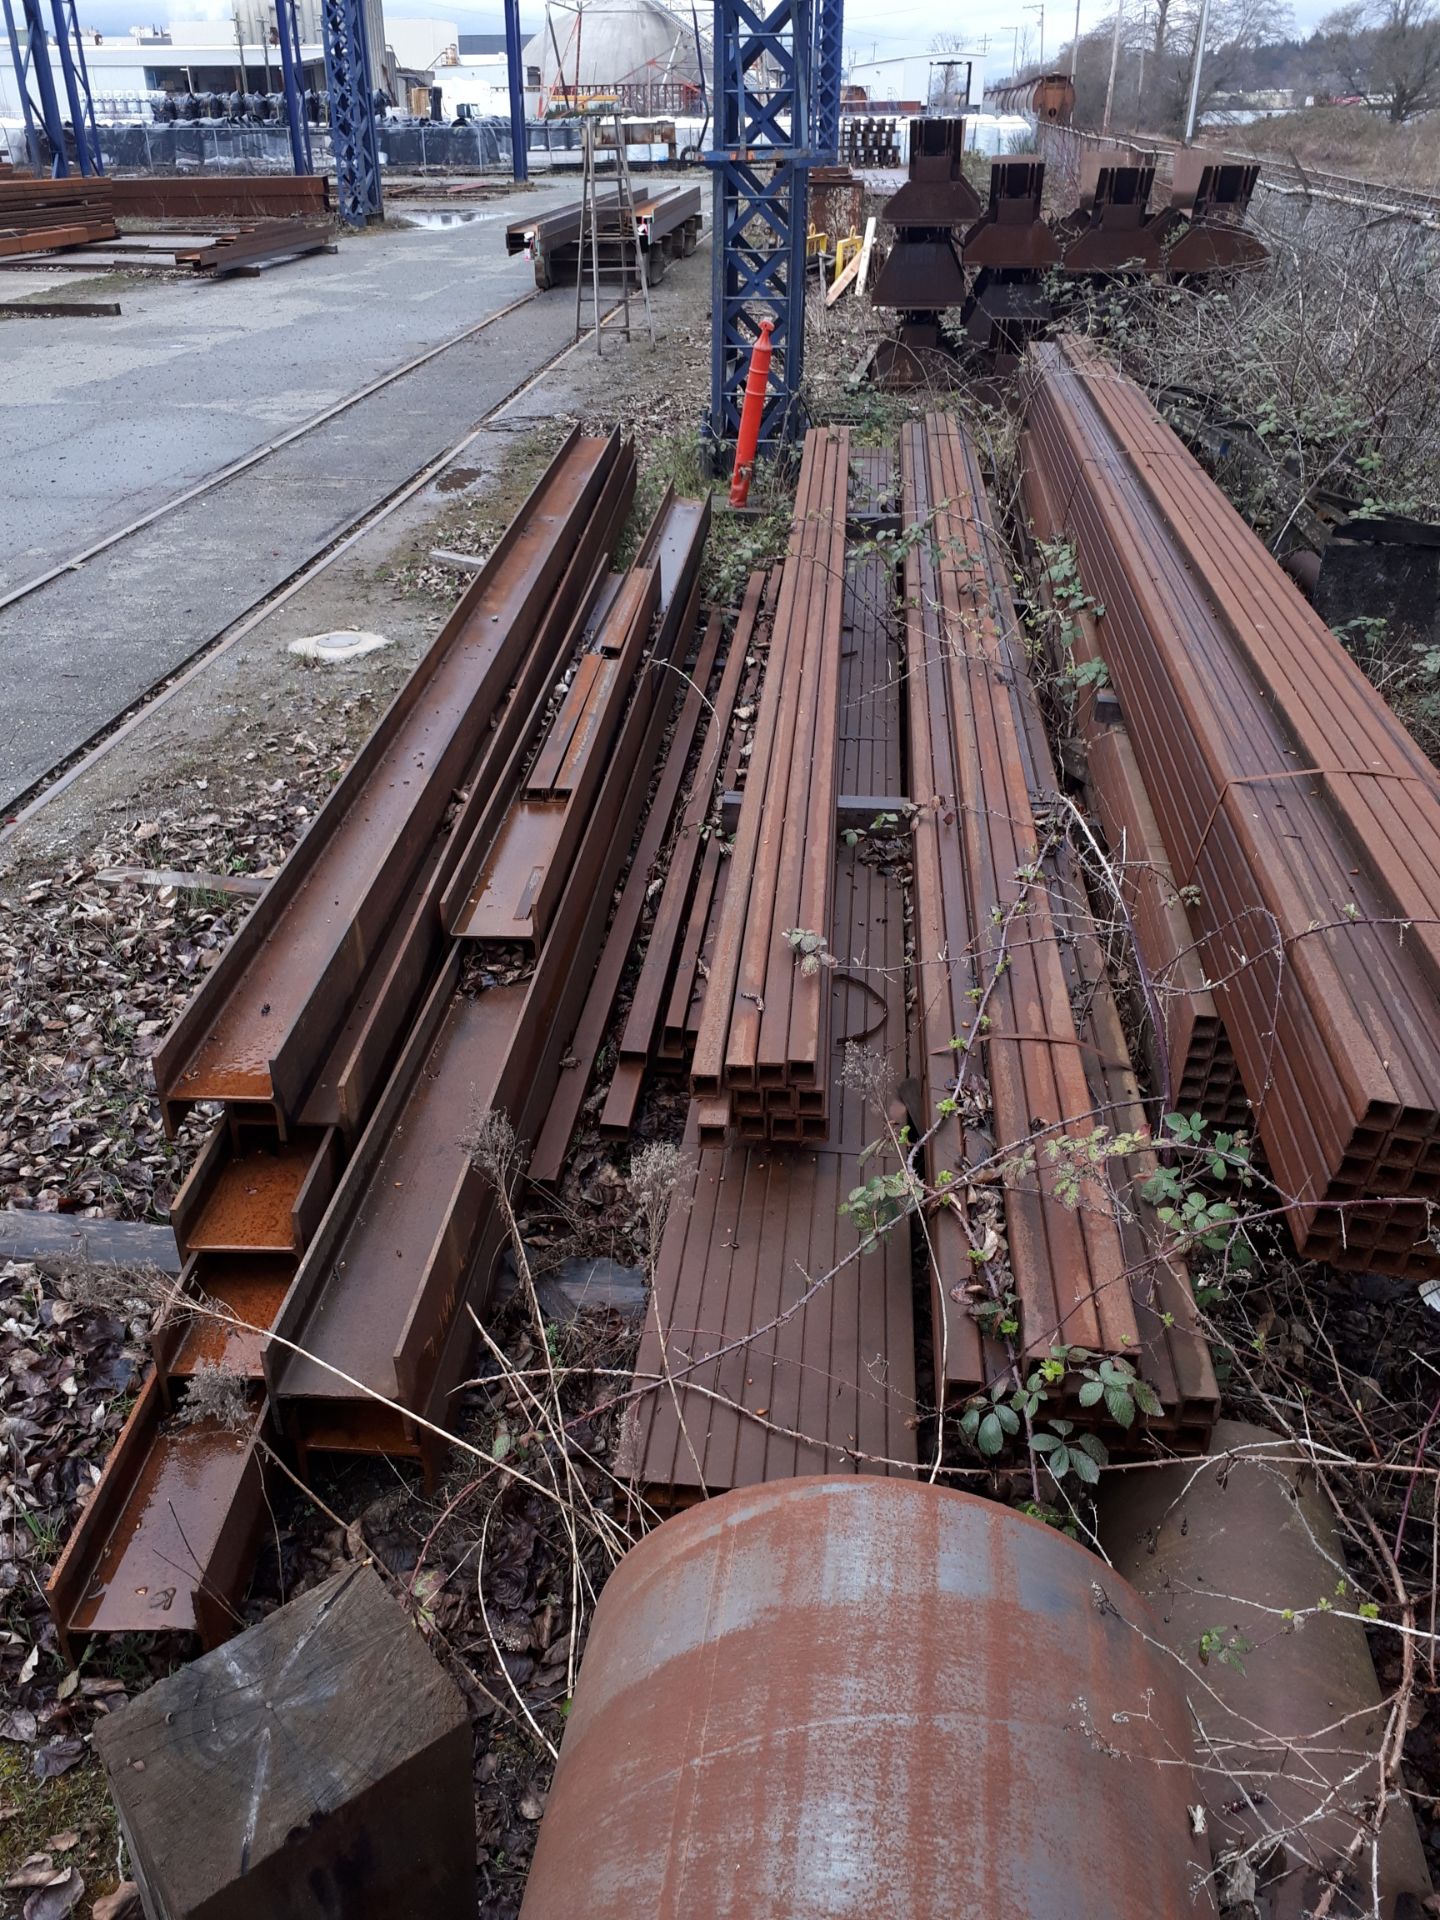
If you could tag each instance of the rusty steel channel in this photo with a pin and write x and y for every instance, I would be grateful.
(411, 1187)
(1288, 794)
(667, 225)
(259, 1030)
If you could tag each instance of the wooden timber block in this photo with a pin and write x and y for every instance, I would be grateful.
(319, 1764)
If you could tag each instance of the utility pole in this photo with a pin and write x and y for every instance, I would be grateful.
(1075, 44)
(1114, 63)
(1195, 71)
(1038, 6)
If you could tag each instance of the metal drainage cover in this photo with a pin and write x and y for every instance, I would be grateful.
(331, 648)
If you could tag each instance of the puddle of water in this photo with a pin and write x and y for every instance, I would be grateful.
(433, 219)
(457, 478)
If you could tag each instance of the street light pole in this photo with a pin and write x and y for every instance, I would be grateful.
(1114, 63)
(1195, 71)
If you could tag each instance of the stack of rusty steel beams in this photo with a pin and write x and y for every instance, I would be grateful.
(39, 215)
(1297, 814)
(1192, 1065)
(353, 1044)
(249, 196)
(760, 1056)
(779, 1332)
(1004, 1055)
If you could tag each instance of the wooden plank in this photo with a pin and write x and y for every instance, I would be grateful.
(60, 309)
(245, 886)
(842, 280)
(862, 277)
(67, 1236)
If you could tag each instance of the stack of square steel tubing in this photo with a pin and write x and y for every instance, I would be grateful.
(333, 1227)
(764, 1041)
(1011, 999)
(1289, 798)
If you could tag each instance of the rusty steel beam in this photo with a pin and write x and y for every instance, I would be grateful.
(262, 1024)
(839, 1697)
(1289, 795)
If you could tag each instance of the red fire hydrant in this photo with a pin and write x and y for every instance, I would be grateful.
(755, 388)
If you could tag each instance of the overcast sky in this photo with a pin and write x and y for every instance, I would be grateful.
(871, 26)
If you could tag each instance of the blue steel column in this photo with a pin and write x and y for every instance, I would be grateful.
(761, 164)
(352, 112)
(292, 71)
(77, 86)
(21, 62)
(829, 65)
(37, 42)
(519, 152)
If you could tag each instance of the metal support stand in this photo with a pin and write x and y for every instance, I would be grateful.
(352, 112)
(519, 150)
(292, 72)
(825, 123)
(761, 165)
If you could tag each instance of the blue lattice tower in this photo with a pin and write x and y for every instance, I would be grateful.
(829, 65)
(34, 64)
(515, 75)
(761, 164)
(352, 112)
(292, 72)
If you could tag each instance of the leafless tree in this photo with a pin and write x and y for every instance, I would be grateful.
(1389, 51)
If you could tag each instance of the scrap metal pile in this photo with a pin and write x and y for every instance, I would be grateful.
(667, 227)
(998, 271)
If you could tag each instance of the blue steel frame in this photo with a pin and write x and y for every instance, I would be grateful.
(35, 61)
(519, 152)
(829, 65)
(292, 75)
(352, 112)
(20, 62)
(761, 163)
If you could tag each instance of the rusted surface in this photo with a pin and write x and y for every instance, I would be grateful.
(766, 1020)
(840, 1697)
(832, 1387)
(1290, 1735)
(1203, 228)
(525, 870)
(981, 927)
(217, 1289)
(413, 1231)
(667, 221)
(1191, 1060)
(1111, 230)
(936, 193)
(265, 1018)
(250, 1200)
(1011, 233)
(162, 1542)
(1289, 796)
(549, 1151)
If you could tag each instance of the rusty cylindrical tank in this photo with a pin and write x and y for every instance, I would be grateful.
(1288, 1721)
(879, 1698)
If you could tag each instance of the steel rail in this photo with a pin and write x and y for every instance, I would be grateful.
(254, 457)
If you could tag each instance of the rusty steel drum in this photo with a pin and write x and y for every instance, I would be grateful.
(879, 1698)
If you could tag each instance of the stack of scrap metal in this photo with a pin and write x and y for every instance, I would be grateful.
(1003, 1019)
(1008, 251)
(37, 216)
(667, 224)
(241, 246)
(763, 1046)
(334, 1228)
(922, 275)
(1298, 815)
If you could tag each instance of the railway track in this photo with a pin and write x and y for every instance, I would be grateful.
(29, 795)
